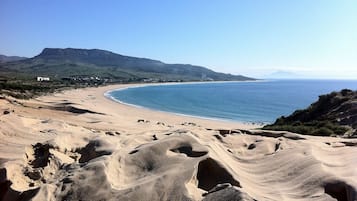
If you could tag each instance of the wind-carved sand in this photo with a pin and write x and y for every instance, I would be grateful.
(79, 145)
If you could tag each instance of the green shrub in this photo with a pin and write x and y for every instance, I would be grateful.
(319, 128)
(322, 132)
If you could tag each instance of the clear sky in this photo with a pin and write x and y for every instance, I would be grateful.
(313, 38)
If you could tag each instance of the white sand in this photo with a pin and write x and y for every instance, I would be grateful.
(109, 155)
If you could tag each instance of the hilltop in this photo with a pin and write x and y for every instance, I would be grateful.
(332, 114)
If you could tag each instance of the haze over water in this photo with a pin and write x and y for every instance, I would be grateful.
(259, 102)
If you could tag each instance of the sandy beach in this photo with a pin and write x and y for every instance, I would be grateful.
(80, 145)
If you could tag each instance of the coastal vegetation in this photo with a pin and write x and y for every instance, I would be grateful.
(334, 114)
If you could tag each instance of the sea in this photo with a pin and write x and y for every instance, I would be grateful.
(248, 101)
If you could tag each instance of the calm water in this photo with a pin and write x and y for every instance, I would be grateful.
(260, 102)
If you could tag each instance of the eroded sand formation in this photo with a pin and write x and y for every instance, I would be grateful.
(78, 145)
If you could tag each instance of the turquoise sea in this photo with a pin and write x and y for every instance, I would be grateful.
(259, 102)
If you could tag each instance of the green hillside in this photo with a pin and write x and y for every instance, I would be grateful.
(333, 114)
(70, 63)
(81, 67)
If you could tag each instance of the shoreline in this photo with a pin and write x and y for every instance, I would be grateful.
(107, 95)
(111, 88)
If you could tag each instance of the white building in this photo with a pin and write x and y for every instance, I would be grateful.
(41, 79)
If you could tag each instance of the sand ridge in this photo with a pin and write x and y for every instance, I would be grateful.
(79, 145)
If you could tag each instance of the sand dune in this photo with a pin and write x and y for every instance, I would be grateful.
(78, 145)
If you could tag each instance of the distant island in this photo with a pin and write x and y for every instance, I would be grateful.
(72, 67)
(283, 75)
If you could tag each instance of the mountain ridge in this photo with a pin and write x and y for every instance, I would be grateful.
(4, 58)
(75, 62)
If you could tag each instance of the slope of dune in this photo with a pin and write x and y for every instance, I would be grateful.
(78, 145)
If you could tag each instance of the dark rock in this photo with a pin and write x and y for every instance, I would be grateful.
(134, 151)
(251, 146)
(109, 133)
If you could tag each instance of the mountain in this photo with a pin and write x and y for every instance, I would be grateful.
(4, 58)
(332, 114)
(69, 63)
(283, 75)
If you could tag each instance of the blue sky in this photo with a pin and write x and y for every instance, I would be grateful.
(312, 38)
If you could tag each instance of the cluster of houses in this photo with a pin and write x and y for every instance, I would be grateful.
(156, 80)
(85, 79)
(99, 80)
(75, 78)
